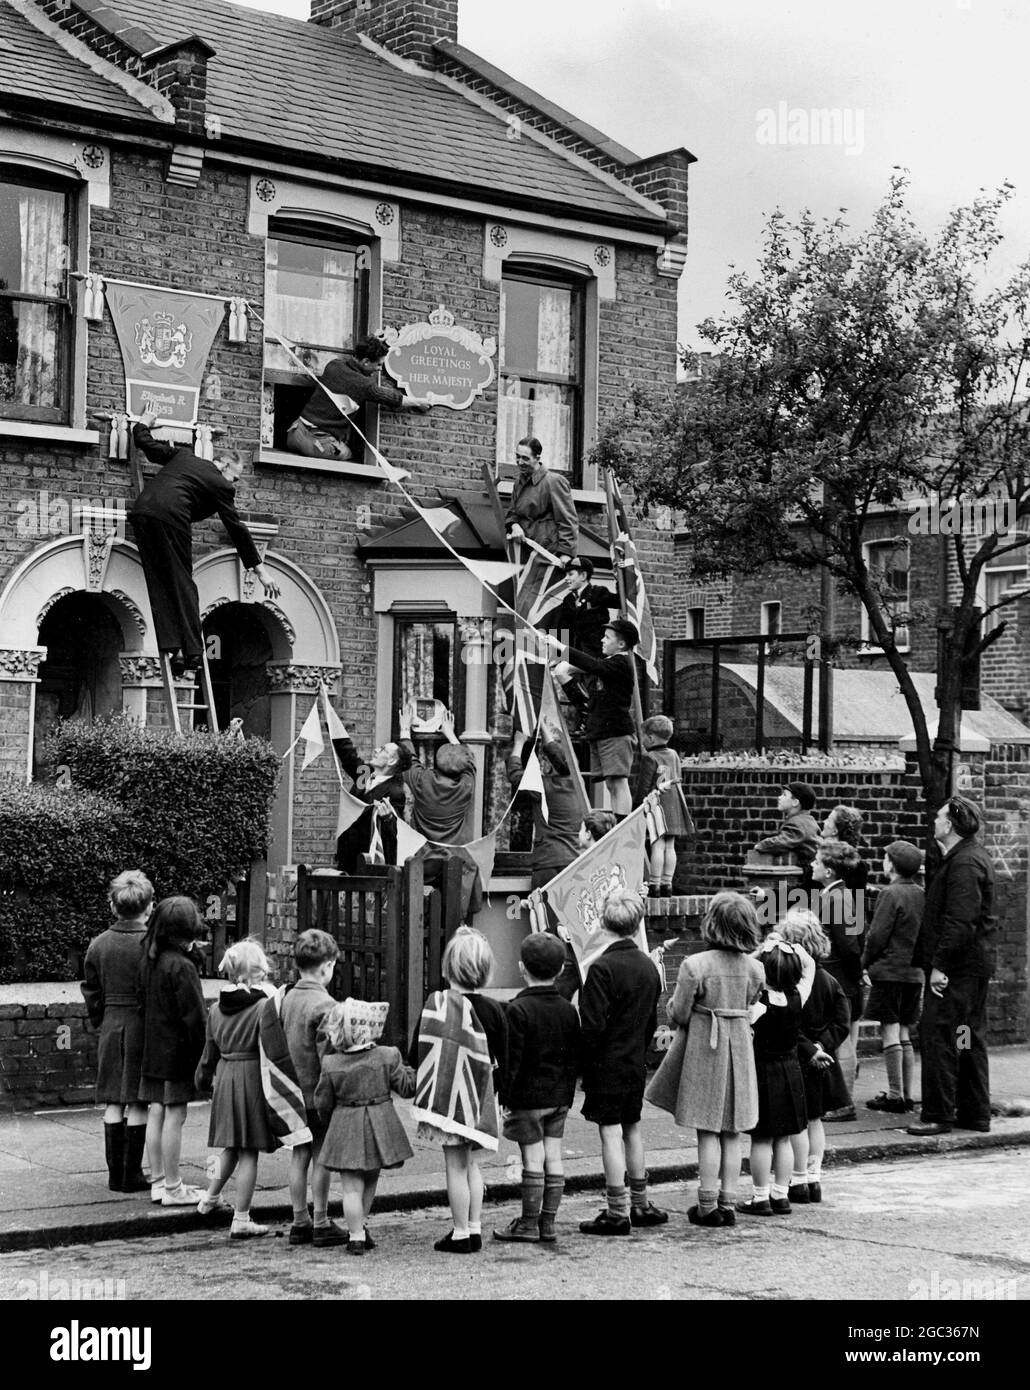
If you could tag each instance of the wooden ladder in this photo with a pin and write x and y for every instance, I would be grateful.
(171, 700)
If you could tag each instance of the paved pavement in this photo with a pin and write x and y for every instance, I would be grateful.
(949, 1227)
(53, 1181)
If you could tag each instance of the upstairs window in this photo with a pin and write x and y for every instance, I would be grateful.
(540, 391)
(771, 616)
(888, 565)
(316, 296)
(36, 320)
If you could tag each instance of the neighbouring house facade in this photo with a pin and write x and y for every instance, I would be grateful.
(910, 568)
(358, 172)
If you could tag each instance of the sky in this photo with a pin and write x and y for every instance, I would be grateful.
(929, 85)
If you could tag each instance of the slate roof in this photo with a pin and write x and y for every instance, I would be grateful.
(308, 90)
(31, 64)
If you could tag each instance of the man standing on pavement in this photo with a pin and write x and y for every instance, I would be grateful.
(323, 430)
(186, 490)
(957, 923)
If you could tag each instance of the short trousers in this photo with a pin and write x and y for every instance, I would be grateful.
(603, 1108)
(317, 1126)
(892, 1001)
(153, 1091)
(613, 757)
(531, 1126)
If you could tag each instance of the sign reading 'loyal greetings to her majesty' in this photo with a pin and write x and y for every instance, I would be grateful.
(165, 337)
(438, 363)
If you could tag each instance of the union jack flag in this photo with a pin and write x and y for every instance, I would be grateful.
(624, 558)
(540, 587)
(284, 1097)
(454, 1087)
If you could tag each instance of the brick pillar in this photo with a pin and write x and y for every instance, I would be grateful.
(179, 72)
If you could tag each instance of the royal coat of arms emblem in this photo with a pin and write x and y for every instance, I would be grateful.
(163, 343)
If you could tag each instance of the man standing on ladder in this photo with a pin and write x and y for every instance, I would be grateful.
(186, 490)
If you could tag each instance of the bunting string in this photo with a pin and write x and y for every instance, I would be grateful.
(479, 569)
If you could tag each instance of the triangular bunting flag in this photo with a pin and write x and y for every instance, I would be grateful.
(311, 733)
(333, 722)
(482, 852)
(533, 781)
(350, 809)
(409, 841)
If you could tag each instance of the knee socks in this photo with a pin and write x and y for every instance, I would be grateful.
(908, 1068)
(554, 1186)
(893, 1056)
(533, 1187)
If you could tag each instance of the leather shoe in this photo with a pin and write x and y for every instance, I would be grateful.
(648, 1216)
(927, 1127)
(893, 1105)
(710, 1218)
(605, 1224)
(799, 1195)
(976, 1129)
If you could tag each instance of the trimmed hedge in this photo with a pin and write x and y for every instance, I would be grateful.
(58, 851)
(190, 810)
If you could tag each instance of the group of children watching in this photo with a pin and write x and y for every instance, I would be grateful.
(762, 1027)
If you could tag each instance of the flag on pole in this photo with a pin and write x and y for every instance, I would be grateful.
(638, 610)
(553, 721)
(311, 733)
(577, 895)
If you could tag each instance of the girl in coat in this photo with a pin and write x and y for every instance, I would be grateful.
(789, 972)
(707, 1079)
(353, 1097)
(660, 768)
(174, 1018)
(825, 1023)
(109, 988)
(842, 916)
(239, 1121)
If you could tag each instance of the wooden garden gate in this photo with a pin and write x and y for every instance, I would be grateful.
(391, 928)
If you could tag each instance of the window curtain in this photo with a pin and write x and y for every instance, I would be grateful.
(554, 336)
(313, 308)
(41, 217)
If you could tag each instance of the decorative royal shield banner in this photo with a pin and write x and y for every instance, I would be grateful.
(165, 337)
(438, 363)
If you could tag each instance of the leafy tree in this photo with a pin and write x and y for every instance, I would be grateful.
(855, 372)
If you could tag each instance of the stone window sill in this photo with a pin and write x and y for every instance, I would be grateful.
(54, 434)
(348, 468)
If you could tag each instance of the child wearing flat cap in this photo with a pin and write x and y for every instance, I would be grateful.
(798, 833)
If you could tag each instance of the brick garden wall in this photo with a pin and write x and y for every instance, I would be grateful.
(734, 807)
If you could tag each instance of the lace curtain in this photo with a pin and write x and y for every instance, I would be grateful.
(426, 659)
(41, 223)
(310, 308)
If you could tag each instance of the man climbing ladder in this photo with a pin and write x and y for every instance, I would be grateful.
(186, 490)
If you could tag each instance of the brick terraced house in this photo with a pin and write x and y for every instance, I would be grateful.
(358, 172)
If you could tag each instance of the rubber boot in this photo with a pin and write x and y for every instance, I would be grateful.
(135, 1143)
(114, 1152)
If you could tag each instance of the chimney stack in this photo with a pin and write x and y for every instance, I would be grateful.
(408, 28)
